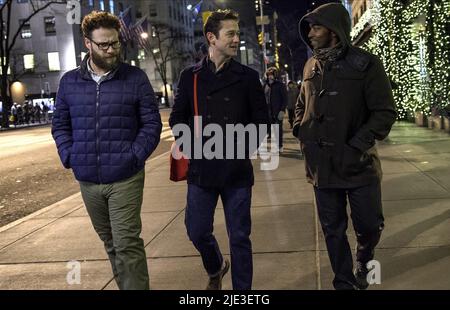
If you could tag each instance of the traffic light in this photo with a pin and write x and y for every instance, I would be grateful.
(261, 38)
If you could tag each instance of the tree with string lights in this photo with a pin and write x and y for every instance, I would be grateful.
(412, 39)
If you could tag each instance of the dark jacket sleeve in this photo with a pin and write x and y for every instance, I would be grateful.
(62, 126)
(150, 126)
(299, 111)
(284, 97)
(181, 108)
(380, 103)
(259, 109)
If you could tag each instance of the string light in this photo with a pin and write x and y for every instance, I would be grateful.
(413, 42)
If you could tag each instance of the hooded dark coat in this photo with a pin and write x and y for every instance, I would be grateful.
(343, 107)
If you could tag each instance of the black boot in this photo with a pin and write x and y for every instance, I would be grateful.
(365, 250)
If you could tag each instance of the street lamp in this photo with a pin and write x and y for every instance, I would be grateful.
(18, 92)
(263, 35)
(144, 35)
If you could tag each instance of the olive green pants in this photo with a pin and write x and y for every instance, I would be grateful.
(115, 212)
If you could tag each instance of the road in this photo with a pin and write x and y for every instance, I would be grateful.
(31, 175)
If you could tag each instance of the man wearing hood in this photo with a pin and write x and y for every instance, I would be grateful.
(345, 104)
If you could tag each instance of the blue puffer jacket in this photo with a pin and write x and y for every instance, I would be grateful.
(105, 132)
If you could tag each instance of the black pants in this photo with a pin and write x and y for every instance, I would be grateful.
(368, 222)
(291, 116)
(277, 132)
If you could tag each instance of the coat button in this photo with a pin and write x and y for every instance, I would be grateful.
(225, 118)
(226, 99)
(208, 97)
(208, 116)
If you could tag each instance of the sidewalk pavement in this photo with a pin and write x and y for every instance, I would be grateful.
(289, 249)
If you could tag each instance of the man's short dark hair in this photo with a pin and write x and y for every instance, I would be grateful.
(99, 19)
(213, 22)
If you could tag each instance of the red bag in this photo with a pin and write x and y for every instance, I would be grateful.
(179, 167)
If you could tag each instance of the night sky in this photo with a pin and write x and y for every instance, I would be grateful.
(290, 12)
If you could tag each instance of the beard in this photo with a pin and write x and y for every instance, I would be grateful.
(322, 43)
(105, 63)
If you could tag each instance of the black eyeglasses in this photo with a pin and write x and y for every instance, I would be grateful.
(104, 46)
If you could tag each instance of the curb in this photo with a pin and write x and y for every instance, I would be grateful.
(59, 203)
(38, 212)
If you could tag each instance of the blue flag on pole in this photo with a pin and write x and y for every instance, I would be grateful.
(196, 9)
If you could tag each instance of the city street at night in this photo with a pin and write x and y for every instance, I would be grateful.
(241, 149)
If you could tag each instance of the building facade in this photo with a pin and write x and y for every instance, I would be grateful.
(48, 45)
(249, 51)
(171, 42)
(361, 13)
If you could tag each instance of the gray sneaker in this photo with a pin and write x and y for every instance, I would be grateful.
(215, 283)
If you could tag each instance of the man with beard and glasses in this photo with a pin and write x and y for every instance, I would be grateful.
(345, 104)
(106, 124)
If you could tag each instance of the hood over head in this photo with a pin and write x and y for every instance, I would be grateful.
(333, 16)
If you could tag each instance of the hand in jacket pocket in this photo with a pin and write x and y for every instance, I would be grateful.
(353, 160)
(135, 158)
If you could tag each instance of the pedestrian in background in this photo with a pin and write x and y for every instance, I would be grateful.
(277, 100)
(45, 112)
(37, 112)
(293, 93)
(13, 116)
(26, 112)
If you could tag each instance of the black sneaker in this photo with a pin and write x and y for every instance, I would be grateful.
(215, 283)
(361, 272)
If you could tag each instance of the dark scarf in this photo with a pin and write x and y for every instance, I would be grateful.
(329, 54)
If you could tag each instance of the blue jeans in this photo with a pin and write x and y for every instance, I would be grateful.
(201, 205)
